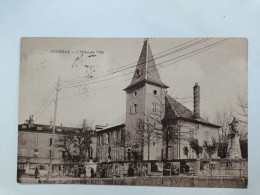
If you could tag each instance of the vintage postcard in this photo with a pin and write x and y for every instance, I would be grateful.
(134, 111)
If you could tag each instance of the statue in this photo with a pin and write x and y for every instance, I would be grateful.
(233, 149)
(233, 127)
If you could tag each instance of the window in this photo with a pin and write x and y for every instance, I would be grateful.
(105, 138)
(114, 135)
(50, 141)
(154, 143)
(122, 134)
(138, 73)
(100, 140)
(63, 154)
(175, 151)
(155, 92)
(105, 155)
(22, 140)
(36, 140)
(154, 107)
(119, 135)
(113, 153)
(206, 134)
(133, 109)
(135, 93)
(139, 127)
(22, 152)
(100, 156)
(36, 153)
(109, 137)
(154, 124)
(121, 153)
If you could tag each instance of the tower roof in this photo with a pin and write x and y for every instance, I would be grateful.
(146, 70)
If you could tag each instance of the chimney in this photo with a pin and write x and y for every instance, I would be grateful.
(84, 125)
(51, 123)
(196, 99)
(30, 121)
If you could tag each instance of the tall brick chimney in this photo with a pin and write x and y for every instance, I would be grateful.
(51, 123)
(196, 99)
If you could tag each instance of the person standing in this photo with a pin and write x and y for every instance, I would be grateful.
(84, 171)
(59, 170)
(36, 172)
(130, 171)
(92, 173)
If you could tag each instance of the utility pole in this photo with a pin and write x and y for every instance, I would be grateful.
(57, 88)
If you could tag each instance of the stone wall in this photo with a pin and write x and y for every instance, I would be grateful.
(169, 181)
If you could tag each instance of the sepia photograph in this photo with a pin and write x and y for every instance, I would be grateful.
(169, 112)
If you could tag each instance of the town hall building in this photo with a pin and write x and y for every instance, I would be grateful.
(156, 126)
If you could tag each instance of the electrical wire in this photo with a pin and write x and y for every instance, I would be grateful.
(216, 43)
(152, 58)
(196, 52)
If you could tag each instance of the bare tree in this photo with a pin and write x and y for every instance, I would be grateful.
(194, 144)
(241, 110)
(222, 118)
(76, 144)
(210, 148)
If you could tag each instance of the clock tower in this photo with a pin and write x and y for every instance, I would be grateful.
(145, 98)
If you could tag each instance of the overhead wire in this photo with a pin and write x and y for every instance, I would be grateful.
(101, 75)
(216, 43)
(80, 82)
(45, 100)
(197, 51)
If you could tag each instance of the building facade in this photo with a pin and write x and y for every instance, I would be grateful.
(180, 124)
(35, 147)
(111, 144)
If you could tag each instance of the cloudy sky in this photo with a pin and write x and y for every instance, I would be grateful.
(219, 65)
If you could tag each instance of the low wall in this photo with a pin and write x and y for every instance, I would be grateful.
(166, 181)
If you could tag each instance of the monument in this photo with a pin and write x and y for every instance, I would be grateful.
(233, 149)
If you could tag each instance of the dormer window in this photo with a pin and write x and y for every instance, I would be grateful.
(155, 92)
(39, 128)
(138, 73)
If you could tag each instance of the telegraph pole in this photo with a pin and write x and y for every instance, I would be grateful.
(57, 88)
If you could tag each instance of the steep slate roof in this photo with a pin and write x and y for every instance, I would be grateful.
(147, 69)
(174, 109)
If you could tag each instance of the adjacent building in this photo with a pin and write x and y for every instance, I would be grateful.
(35, 147)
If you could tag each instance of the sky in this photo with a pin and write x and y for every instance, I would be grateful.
(221, 72)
